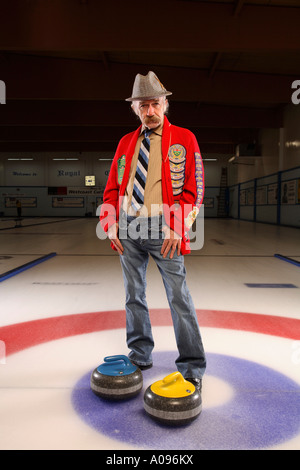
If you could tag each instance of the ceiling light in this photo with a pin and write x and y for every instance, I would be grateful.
(293, 144)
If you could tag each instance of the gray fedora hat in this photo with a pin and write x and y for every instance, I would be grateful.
(147, 87)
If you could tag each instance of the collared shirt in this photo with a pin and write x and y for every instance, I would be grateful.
(153, 189)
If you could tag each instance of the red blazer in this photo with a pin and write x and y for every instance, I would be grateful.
(182, 180)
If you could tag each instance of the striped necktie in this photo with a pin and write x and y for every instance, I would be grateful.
(137, 199)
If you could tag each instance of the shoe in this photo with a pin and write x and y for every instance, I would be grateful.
(141, 367)
(196, 382)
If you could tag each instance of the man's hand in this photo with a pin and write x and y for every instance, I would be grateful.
(113, 236)
(171, 242)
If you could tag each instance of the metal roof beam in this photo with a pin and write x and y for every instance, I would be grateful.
(29, 77)
(105, 26)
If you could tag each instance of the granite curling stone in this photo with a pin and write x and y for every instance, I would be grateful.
(116, 379)
(173, 400)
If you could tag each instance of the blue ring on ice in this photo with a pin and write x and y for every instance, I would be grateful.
(263, 412)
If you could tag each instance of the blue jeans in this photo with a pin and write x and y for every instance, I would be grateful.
(140, 239)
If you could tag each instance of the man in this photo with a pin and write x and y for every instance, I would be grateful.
(153, 194)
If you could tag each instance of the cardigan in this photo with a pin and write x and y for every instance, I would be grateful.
(182, 180)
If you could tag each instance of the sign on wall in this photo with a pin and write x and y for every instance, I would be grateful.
(83, 191)
(272, 193)
(11, 202)
(289, 192)
(68, 202)
(24, 174)
(66, 174)
(261, 195)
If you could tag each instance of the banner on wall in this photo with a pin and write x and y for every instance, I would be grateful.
(261, 195)
(289, 192)
(243, 197)
(272, 193)
(11, 202)
(67, 202)
(250, 196)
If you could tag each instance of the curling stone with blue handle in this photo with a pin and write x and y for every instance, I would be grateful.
(116, 379)
(173, 400)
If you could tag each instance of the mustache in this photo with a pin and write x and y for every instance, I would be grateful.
(152, 119)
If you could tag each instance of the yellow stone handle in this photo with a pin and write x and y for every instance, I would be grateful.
(173, 386)
(174, 377)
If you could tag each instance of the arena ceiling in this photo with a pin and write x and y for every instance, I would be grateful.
(68, 66)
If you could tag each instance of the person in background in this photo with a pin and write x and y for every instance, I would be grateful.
(19, 208)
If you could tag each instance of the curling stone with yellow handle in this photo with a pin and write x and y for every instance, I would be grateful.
(116, 379)
(173, 400)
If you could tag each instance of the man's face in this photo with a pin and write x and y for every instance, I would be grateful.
(151, 112)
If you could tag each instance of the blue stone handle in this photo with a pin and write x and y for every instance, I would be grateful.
(116, 366)
(116, 359)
